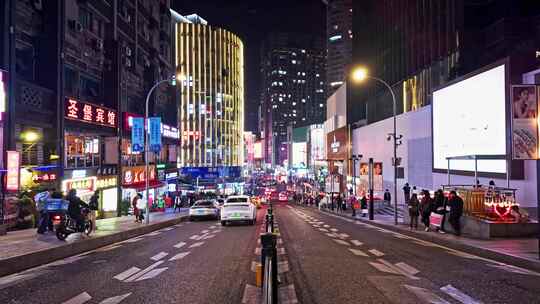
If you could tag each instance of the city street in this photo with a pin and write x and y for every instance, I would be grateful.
(192, 262)
(337, 260)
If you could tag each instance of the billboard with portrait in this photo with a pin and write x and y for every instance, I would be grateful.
(524, 122)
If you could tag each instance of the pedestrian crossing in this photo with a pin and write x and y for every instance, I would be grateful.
(389, 210)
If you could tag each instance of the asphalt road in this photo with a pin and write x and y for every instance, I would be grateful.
(193, 262)
(338, 260)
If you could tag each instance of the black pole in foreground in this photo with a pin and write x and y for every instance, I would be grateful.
(371, 188)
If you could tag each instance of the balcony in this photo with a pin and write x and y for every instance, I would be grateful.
(35, 104)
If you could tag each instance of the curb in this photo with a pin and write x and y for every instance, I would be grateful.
(452, 244)
(22, 262)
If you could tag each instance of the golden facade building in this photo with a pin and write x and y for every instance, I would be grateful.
(211, 110)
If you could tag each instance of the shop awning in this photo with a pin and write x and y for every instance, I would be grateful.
(142, 185)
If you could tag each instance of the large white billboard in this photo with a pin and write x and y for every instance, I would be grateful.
(299, 155)
(469, 119)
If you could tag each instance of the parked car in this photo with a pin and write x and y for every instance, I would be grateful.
(238, 209)
(204, 209)
(283, 196)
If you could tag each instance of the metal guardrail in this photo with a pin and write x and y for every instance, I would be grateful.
(269, 261)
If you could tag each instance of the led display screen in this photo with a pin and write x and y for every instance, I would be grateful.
(469, 119)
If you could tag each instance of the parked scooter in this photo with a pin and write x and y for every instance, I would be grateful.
(67, 225)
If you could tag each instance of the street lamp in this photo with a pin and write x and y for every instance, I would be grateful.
(172, 81)
(360, 74)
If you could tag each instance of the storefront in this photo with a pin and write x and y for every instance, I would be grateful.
(134, 181)
(107, 185)
(38, 178)
(337, 154)
(84, 181)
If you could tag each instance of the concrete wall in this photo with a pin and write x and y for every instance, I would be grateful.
(416, 154)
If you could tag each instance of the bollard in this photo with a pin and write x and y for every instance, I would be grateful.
(258, 275)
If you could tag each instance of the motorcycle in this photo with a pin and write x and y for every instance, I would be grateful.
(66, 225)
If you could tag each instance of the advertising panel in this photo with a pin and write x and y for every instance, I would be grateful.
(469, 118)
(167, 131)
(317, 144)
(13, 164)
(90, 113)
(363, 178)
(337, 144)
(257, 150)
(137, 135)
(524, 122)
(299, 154)
(135, 175)
(155, 133)
(80, 184)
(3, 92)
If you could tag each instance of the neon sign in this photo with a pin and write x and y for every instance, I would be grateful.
(3, 92)
(83, 184)
(90, 113)
(167, 131)
(13, 162)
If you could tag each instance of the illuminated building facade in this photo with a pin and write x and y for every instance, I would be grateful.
(211, 109)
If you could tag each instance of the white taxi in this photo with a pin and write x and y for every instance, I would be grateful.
(204, 209)
(238, 208)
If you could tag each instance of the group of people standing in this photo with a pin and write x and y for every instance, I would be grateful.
(421, 204)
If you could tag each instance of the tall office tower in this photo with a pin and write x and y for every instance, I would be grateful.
(211, 111)
(339, 37)
(293, 84)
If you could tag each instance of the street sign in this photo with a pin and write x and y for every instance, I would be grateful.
(155, 133)
(137, 135)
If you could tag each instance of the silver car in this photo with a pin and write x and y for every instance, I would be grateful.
(204, 209)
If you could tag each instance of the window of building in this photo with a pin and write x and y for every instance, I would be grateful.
(82, 151)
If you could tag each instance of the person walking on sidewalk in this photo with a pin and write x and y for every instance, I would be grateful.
(414, 211)
(407, 193)
(339, 202)
(387, 197)
(440, 208)
(456, 211)
(363, 205)
(93, 205)
(353, 202)
(136, 211)
(425, 208)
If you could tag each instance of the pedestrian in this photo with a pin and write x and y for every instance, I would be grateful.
(407, 193)
(440, 208)
(41, 203)
(363, 205)
(332, 201)
(93, 205)
(353, 202)
(339, 202)
(415, 191)
(425, 208)
(414, 211)
(177, 203)
(134, 204)
(387, 197)
(456, 211)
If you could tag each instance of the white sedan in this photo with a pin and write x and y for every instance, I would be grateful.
(238, 209)
(204, 209)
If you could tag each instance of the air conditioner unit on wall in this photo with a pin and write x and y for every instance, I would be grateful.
(99, 44)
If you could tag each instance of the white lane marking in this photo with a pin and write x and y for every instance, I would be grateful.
(205, 231)
(399, 270)
(252, 295)
(357, 243)
(343, 235)
(178, 225)
(154, 233)
(426, 295)
(400, 236)
(115, 300)
(334, 230)
(323, 229)
(159, 256)
(126, 274)
(152, 274)
(459, 295)
(514, 269)
(166, 229)
(179, 256)
(213, 227)
(342, 242)
(358, 252)
(68, 260)
(326, 226)
(424, 243)
(108, 248)
(376, 252)
(143, 272)
(198, 244)
(383, 268)
(133, 240)
(180, 245)
(194, 237)
(206, 237)
(79, 299)
(332, 235)
(407, 268)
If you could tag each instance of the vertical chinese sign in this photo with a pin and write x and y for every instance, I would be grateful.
(13, 164)
(155, 133)
(137, 135)
(524, 122)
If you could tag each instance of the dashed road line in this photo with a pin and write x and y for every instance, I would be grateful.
(79, 299)
(358, 252)
(159, 256)
(154, 233)
(334, 230)
(458, 295)
(179, 256)
(180, 245)
(426, 295)
(357, 243)
(126, 274)
(407, 268)
(198, 244)
(342, 242)
(323, 229)
(376, 252)
(143, 272)
(115, 300)
(194, 237)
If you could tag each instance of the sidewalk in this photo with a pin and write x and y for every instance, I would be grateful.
(521, 251)
(25, 248)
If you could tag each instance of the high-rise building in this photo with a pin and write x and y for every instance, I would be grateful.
(211, 109)
(293, 87)
(339, 37)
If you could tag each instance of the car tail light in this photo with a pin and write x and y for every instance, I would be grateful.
(56, 218)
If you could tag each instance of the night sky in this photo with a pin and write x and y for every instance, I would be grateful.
(252, 20)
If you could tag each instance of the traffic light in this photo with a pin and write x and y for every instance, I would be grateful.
(173, 80)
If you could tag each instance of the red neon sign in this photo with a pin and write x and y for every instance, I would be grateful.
(90, 113)
(13, 163)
